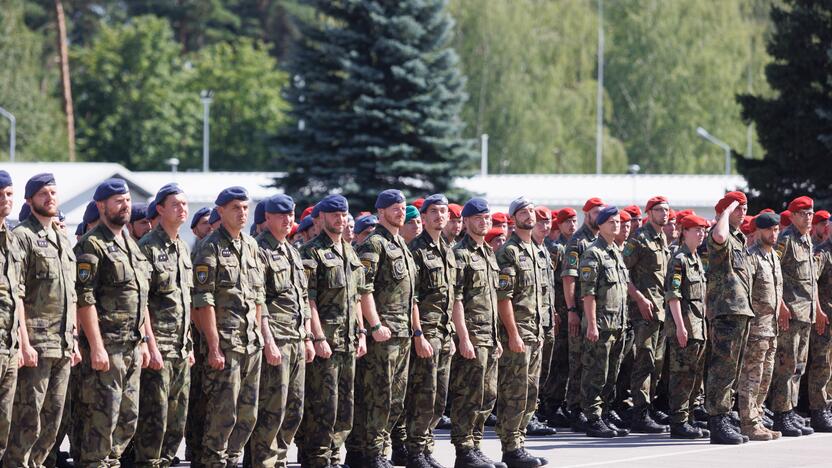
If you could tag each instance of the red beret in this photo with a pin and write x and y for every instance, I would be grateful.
(748, 226)
(565, 214)
(820, 216)
(294, 229)
(510, 219)
(786, 218)
(766, 210)
(499, 218)
(728, 199)
(671, 215)
(633, 210)
(680, 215)
(654, 201)
(693, 221)
(541, 212)
(494, 232)
(592, 203)
(455, 210)
(625, 217)
(801, 203)
(307, 211)
(418, 202)
(555, 215)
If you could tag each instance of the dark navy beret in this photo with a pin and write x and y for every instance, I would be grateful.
(25, 211)
(332, 204)
(200, 213)
(435, 199)
(316, 210)
(389, 197)
(260, 212)
(363, 223)
(169, 189)
(91, 213)
(138, 212)
(37, 182)
(305, 224)
(151, 210)
(605, 214)
(280, 204)
(231, 193)
(5, 179)
(215, 216)
(767, 220)
(475, 206)
(110, 187)
(79, 231)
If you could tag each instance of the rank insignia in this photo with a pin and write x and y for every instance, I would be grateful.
(42, 243)
(329, 255)
(226, 252)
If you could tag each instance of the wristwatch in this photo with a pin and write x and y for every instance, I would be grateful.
(145, 339)
(375, 328)
(362, 331)
(417, 333)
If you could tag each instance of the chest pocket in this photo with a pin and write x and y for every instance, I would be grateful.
(398, 265)
(255, 276)
(696, 284)
(494, 272)
(738, 259)
(46, 264)
(479, 273)
(297, 264)
(121, 273)
(610, 272)
(165, 275)
(435, 271)
(228, 271)
(804, 261)
(333, 276)
(279, 265)
(525, 271)
(189, 269)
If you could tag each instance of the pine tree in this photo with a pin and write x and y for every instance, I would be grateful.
(794, 126)
(376, 98)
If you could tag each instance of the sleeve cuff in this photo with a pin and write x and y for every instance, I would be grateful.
(203, 299)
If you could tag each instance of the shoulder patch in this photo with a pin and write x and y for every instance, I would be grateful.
(629, 248)
(573, 258)
(781, 247)
(585, 273)
(201, 273)
(84, 271)
(504, 281)
(677, 281)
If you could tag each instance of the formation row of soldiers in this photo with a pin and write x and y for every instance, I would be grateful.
(365, 342)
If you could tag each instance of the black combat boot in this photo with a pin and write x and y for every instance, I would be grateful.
(800, 422)
(643, 423)
(541, 460)
(784, 424)
(432, 461)
(557, 418)
(399, 455)
(685, 431)
(355, 459)
(597, 428)
(520, 459)
(417, 460)
(486, 459)
(535, 428)
(577, 421)
(721, 431)
(468, 458)
(612, 416)
(609, 421)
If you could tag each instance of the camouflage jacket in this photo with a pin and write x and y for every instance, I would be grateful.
(113, 276)
(646, 255)
(823, 259)
(476, 288)
(557, 250)
(47, 275)
(604, 276)
(334, 280)
(766, 291)
(548, 296)
(229, 277)
(169, 301)
(10, 259)
(800, 285)
(287, 302)
(576, 247)
(436, 278)
(390, 275)
(686, 281)
(729, 276)
(522, 280)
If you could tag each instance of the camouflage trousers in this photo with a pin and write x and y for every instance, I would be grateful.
(38, 409)
(473, 392)
(648, 361)
(108, 408)
(573, 389)
(517, 387)
(194, 424)
(8, 380)
(755, 378)
(280, 406)
(820, 369)
(728, 335)
(328, 408)
(553, 385)
(230, 408)
(69, 427)
(427, 392)
(685, 368)
(622, 383)
(601, 360)
(163, 407)
(789, 366)
(380, 387)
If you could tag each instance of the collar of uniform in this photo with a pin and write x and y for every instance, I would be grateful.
(584, 229)
(106, 232)
(271, 239)
(163, 235)
(528, 247)
(562, 240)
(735, 231)
(683, 248)
(429, 240)
(652, 233)
(34, 224)
(603, 242)
(224, 232)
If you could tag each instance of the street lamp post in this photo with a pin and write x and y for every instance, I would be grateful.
(12, 131)
(599, 98)
(206, 96)
(712, 139)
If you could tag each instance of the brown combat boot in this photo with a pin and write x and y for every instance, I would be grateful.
(774, 434)
(757, 432)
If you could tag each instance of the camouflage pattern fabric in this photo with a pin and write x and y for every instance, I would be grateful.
(755, 378)
(473, 394)
(163, 406)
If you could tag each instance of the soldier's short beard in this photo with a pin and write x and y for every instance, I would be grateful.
(332, 229)
(42, 211)
(119, 219)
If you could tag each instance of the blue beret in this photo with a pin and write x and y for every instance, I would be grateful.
(5, 179)
(605, 214)
(169, 189)
(25, 211)
(475, 206)
(332, 204)
(435, 199)
(91, 213)
(518, 203)
(61, 216)
(138, 212)
(767, 220)
(110, 187)
(151, 210)
(316, 210)
(215, 216)
(305, 224)
(79, 231)
(231, 193)
(280, 204)
(389, 197)
(252, 231)
(363, 223)
(37, 182)
(200, 213)
(260, 212)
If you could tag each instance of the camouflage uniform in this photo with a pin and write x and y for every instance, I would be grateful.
(473, 383)
(576, 246)
(335, 275)
(603, 275)
(381, 377)
(547, 317)
(164, 393)
(522, 276)
(194, 429)
(686, 282)
(799, 292)
(820, 346)
(113, 277)
(10, 258)
(228, 277)
(428, 379)
(280, 407)
(758, 359)
(47, 273)
(729, 310)
(553, 390)
(646, 255)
